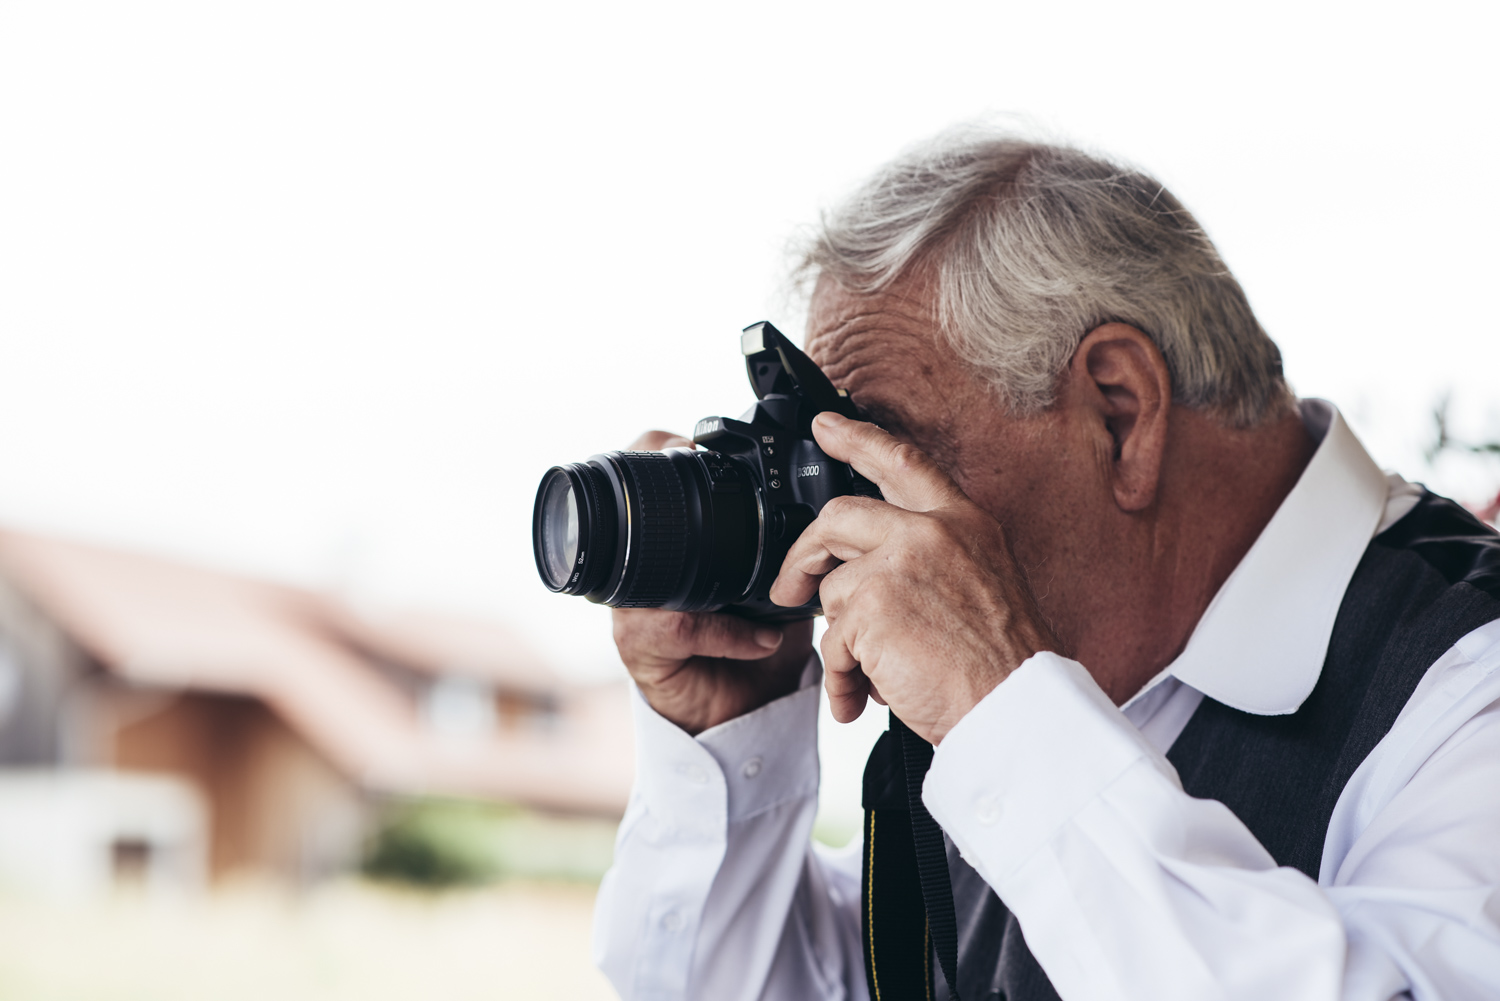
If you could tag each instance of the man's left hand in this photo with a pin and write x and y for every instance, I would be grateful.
(927, 611)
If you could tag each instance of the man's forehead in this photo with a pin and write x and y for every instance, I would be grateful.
(844, 328)
(883, 349)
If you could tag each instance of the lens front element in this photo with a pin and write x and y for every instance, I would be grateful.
(575, 527)
(557, 528)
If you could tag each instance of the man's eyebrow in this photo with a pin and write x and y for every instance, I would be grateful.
(936, 441)
(883, 417)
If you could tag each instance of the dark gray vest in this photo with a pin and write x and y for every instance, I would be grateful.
(1421, 586)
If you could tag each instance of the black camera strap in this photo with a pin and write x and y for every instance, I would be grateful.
(907, 911)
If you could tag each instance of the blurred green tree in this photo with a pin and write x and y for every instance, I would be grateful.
(437, 843)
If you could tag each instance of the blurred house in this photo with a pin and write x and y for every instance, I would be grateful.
(71, 832)
(279, 716)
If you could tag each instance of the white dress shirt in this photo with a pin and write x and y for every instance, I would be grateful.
(1125, 886)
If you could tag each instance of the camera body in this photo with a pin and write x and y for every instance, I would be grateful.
(708, 528)
(792, 475)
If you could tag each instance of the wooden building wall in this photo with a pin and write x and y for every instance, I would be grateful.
(276, 807)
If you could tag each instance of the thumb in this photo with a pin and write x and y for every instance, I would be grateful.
(732, 636)
(681, 635)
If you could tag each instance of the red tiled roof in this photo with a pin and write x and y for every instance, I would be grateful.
(160, 623)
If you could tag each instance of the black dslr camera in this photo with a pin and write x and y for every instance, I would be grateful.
(703, 529)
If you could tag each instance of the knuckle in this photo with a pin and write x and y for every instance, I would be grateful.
(877, 593)
(831, 597)
(622, 628)
(839, 507)
(930, 533)
(905, 458)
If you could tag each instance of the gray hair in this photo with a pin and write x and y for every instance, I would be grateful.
(1033, 245)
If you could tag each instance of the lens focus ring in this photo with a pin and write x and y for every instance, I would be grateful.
(662, 550)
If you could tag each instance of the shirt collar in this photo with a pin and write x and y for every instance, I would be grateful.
(1260, 645)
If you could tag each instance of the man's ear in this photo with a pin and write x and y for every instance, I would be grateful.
(1121, 375)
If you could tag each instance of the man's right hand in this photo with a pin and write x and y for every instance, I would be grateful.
(699, 669)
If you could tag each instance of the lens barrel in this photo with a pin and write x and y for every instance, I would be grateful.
(682, 529)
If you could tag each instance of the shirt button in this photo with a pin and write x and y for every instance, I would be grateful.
(751, 768)
(672, 921)
(987, 810)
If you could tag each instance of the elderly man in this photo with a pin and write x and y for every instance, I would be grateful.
(1216, 703)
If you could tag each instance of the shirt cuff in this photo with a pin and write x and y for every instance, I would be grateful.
(737, 769)
(1033, 753)
(770, 756)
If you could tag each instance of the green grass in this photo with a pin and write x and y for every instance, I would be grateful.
(447, 842)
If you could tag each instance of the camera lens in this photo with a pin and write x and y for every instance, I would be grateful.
(574, 528)
(557, 512)
(681, 529)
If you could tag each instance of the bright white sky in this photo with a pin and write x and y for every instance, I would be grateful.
(319, 290)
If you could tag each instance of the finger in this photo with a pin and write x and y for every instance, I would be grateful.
(655, 441)
(846, 529)
(906, 476)
(838, 587)
(674, 636)
(848, 688)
